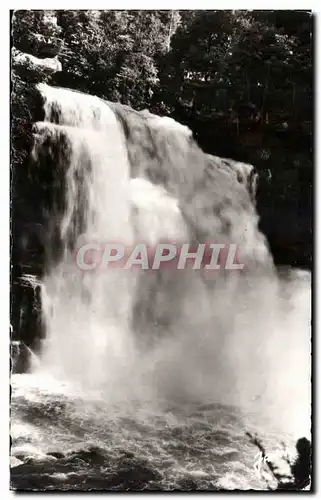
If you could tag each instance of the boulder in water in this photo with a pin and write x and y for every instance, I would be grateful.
(20, 357)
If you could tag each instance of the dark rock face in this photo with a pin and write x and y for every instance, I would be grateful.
(289, 233)
(20, 357)
(34, 60)
(26, 318)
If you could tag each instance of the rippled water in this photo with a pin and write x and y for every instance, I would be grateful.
(63, 440)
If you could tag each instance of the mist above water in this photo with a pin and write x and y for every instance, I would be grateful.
(186, 336)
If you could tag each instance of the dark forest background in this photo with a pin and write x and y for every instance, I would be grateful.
(241, 80)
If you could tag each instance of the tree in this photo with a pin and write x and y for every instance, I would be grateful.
(113, 53)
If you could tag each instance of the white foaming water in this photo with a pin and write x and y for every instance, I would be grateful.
(87, 315)
(234, 339)
(157, 215)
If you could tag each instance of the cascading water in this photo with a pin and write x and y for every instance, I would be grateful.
(97, 208)
(152, 345)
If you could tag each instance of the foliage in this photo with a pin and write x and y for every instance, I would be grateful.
(241, 80)
(36, 32)
(114, 53)
(244, 66)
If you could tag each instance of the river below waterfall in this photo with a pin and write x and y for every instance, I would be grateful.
(63, 441)
(126, 436)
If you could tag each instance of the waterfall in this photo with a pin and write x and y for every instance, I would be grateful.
(131, 176)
